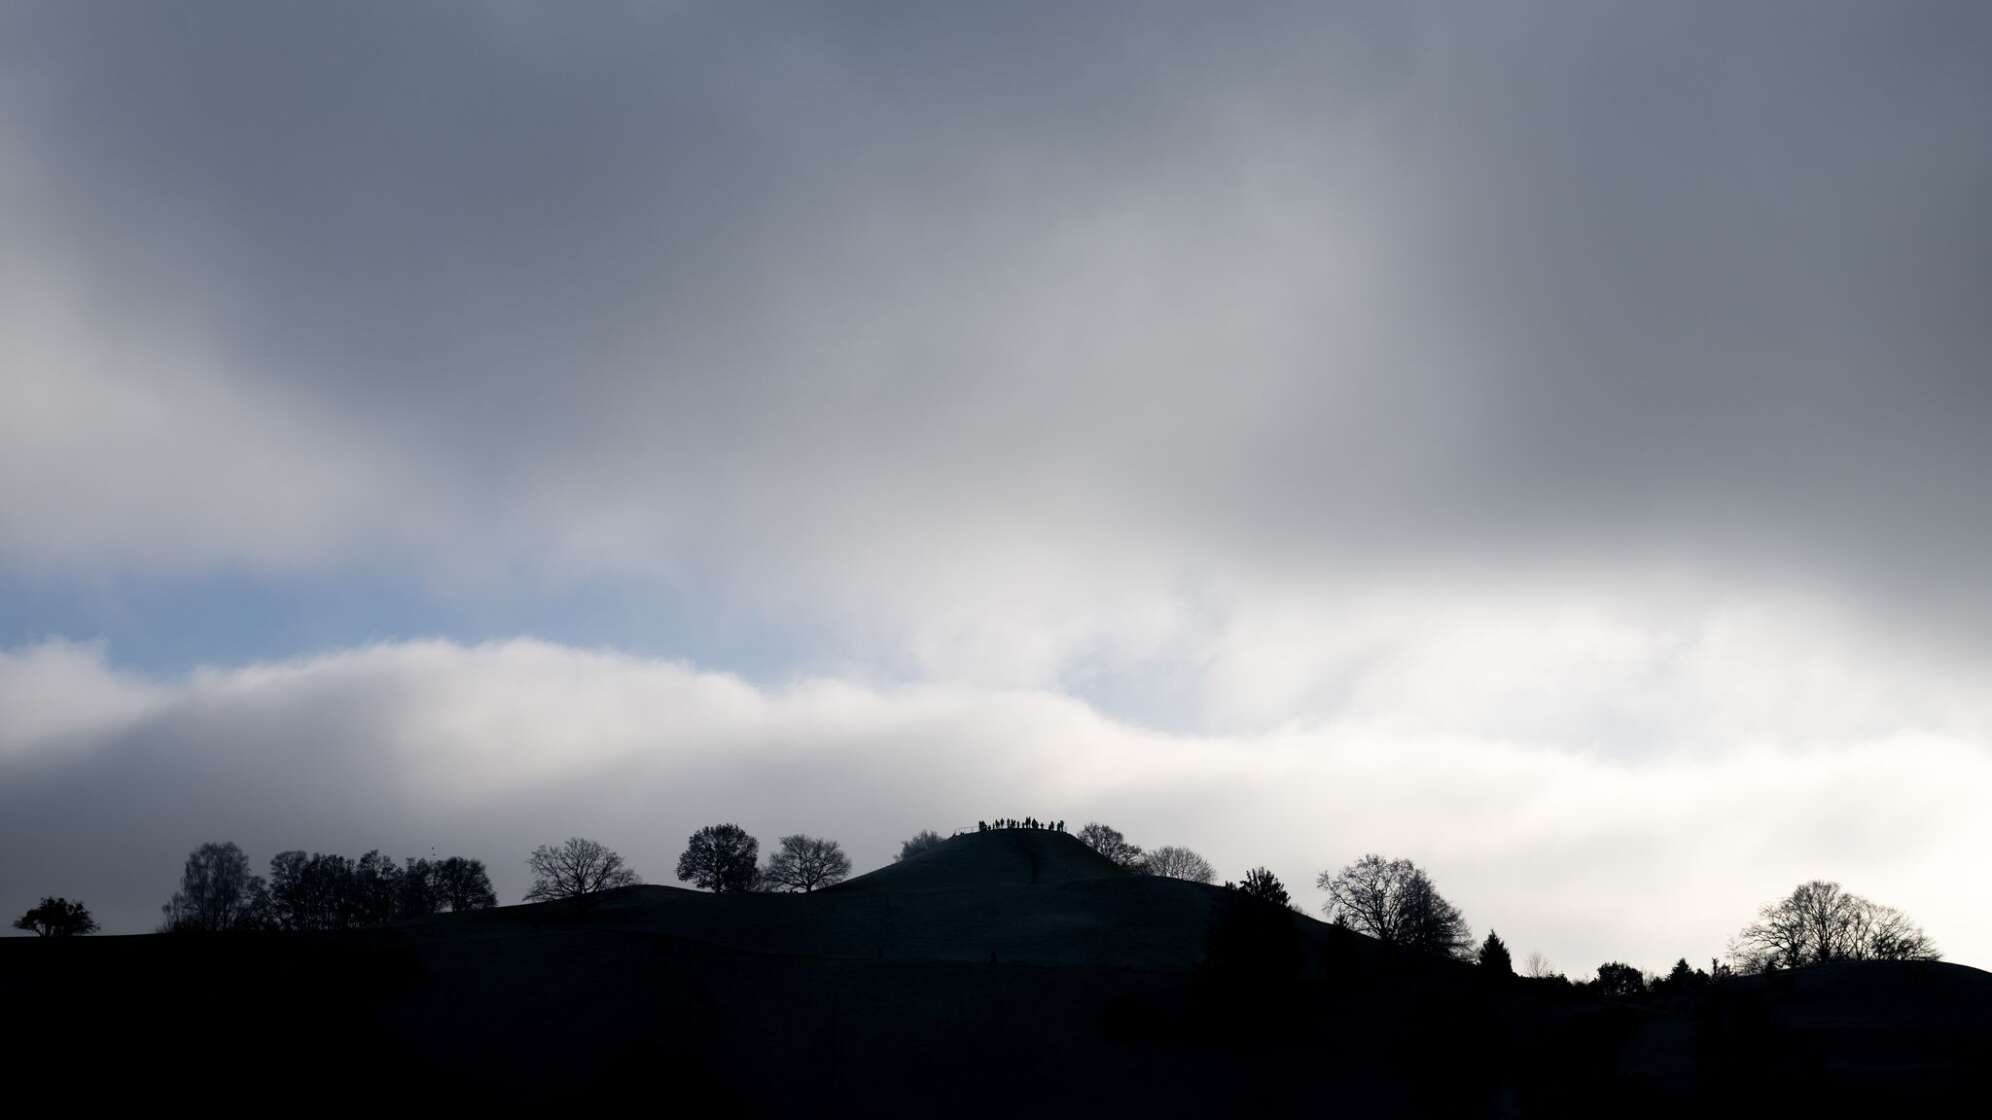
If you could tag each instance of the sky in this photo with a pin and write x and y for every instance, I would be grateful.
(1544, 441)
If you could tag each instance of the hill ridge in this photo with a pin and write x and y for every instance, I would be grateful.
(998, 857)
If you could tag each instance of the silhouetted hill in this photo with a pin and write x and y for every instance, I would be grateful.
(1002, 858)
(1003, 972)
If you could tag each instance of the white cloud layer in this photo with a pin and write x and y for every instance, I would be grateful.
(487, 750)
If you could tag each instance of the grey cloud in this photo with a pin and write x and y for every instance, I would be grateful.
(1054, 314)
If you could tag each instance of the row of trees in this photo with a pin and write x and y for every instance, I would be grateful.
(318, 891)
(1169, 861)
(1391, 900)
(315, 890)
(1819, 922)
(725, 859)
(721, 858)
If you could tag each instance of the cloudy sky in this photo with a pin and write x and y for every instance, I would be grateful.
(1545, 441)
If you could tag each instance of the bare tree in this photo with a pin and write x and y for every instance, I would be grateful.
(1394, 902)
(1171, 862)
(804, 863)
(217, 893)
(578, 867)
(1538, 967)
(925, 840)
(57, 917)
(1818, 921)
(1890, 936)
(721, 858)
(1111, 844)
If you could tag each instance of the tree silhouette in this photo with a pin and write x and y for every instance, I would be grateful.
(1172, 862)
(1681, 980)
(376, 887)
(720, 858)
(311, 891)
(578, 867)
(57, 917)
(804, 863)
(1394, 902)
(217, 893)
(416, 894)
(1265, 886)
(923, 841)
(321, 891)
(462, 884)
(1820, 922)
(1619, 981)
(1494, 958)
(1111, 844)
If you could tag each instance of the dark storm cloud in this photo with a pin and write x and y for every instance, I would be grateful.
(652, 287)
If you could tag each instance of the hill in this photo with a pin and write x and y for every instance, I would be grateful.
(1000, 972)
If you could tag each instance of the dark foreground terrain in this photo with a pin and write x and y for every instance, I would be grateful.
(1010, 973)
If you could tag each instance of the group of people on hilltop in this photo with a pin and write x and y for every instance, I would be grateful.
(1018, 822)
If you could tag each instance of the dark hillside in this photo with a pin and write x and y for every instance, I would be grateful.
(999, 973)
(1011, 857)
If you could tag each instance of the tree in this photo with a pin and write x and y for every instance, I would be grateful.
(217, 893)
(376, 889)
(57, 917)
(462, 884)
(313, 891)
(578, 867)
(1619, 981)
(1180, 863)
(1820, 922)
(1539, 968)
(804, 863)
(1494, 958)
(925, 840)
(416, 894)
(720, 858)
(1394, 902)
(1681, 980)
(1111, 844)
(1265, 886)
(320, 891)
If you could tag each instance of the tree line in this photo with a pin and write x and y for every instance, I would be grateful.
(219, 892)
(721, 858)
(1391, 900)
